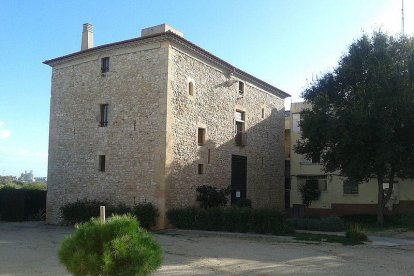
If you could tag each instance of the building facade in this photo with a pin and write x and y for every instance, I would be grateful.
(152, 118)
(338, 197)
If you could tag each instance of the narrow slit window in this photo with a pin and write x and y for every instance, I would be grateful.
(105, 65)
(102, 163)
(103, 115)
(263, 113)
(191, 88)
(209, 156)
(201, 136)
(200, 168)
(241, 88)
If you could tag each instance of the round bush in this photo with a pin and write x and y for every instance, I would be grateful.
(118, 247)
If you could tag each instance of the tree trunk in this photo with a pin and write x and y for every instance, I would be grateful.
(380, 205)
(383, 199)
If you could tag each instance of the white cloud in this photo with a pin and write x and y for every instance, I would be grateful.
(4, 133)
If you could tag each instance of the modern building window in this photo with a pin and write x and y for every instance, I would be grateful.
(241, 88)
(102, 163)
(201, 133)
(103, 115)
(322, 181)
(295, 122)
(105, 65)
(350, 187)
(200, 168)
(191, 88)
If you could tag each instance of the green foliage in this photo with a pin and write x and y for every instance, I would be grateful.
(35, 186)
(22, 204)
(209, 196)
(369, 222)
(146, 213)
(326, 238)
(329, 224)
(182, 218)
(355, 234)
(361, 120)
(244, 202)
(309, 191)
(232, 219)
(118, 247)
(83, 210)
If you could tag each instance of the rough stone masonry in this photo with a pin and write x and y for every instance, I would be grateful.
(152, 118)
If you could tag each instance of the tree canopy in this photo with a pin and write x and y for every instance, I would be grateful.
(361, 120)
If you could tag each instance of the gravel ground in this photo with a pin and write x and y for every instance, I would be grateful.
(30, 248)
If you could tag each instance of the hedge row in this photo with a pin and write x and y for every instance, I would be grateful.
(22, 204)
(83, 210)
(232, 219)
(329, 224)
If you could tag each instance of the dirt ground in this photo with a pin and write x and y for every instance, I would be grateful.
(30, 248)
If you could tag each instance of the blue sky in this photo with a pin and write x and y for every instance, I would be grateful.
(283, 42)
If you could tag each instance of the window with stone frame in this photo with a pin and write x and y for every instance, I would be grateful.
(105, 65)
(103, 121)
(102, 163)
(239, 127)
(201, 136)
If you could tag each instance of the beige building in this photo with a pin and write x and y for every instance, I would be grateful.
(337, 197)
(151, 118)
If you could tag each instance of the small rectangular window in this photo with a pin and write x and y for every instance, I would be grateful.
(201, 136)
(105, 65)
(263, 113)
(241, 88)
(350, 187)
(200, 168)
(103, 115)
(191, 88)
(209, 156)
(102, 163)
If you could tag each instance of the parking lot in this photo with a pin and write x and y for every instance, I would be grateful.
(30, 248)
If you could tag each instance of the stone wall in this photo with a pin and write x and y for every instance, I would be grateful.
(213, 107)
(134, 140)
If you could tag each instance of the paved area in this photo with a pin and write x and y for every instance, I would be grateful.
(30, 248)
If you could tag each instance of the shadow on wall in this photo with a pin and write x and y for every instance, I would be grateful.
(223, 165)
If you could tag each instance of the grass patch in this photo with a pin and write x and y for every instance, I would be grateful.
(369, 222)
(327, 238)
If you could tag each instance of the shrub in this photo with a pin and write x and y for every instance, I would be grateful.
(81, 210)
(209, 196)
(120, 209)
(232, 219)
(237, 219)
(35, 186)
(244, 202)
(182, 218)
(309, 191)
(12, 204)
(118, 247)
(18, 204)
(146, 213)
(329, 224)
(355, 235)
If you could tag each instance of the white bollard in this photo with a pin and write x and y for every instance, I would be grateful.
(102, 213)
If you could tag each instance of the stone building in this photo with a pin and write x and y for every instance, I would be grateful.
(151, 118)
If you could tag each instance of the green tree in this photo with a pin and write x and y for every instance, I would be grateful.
(361, 120)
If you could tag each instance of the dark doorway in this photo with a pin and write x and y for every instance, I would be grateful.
(238, 178)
